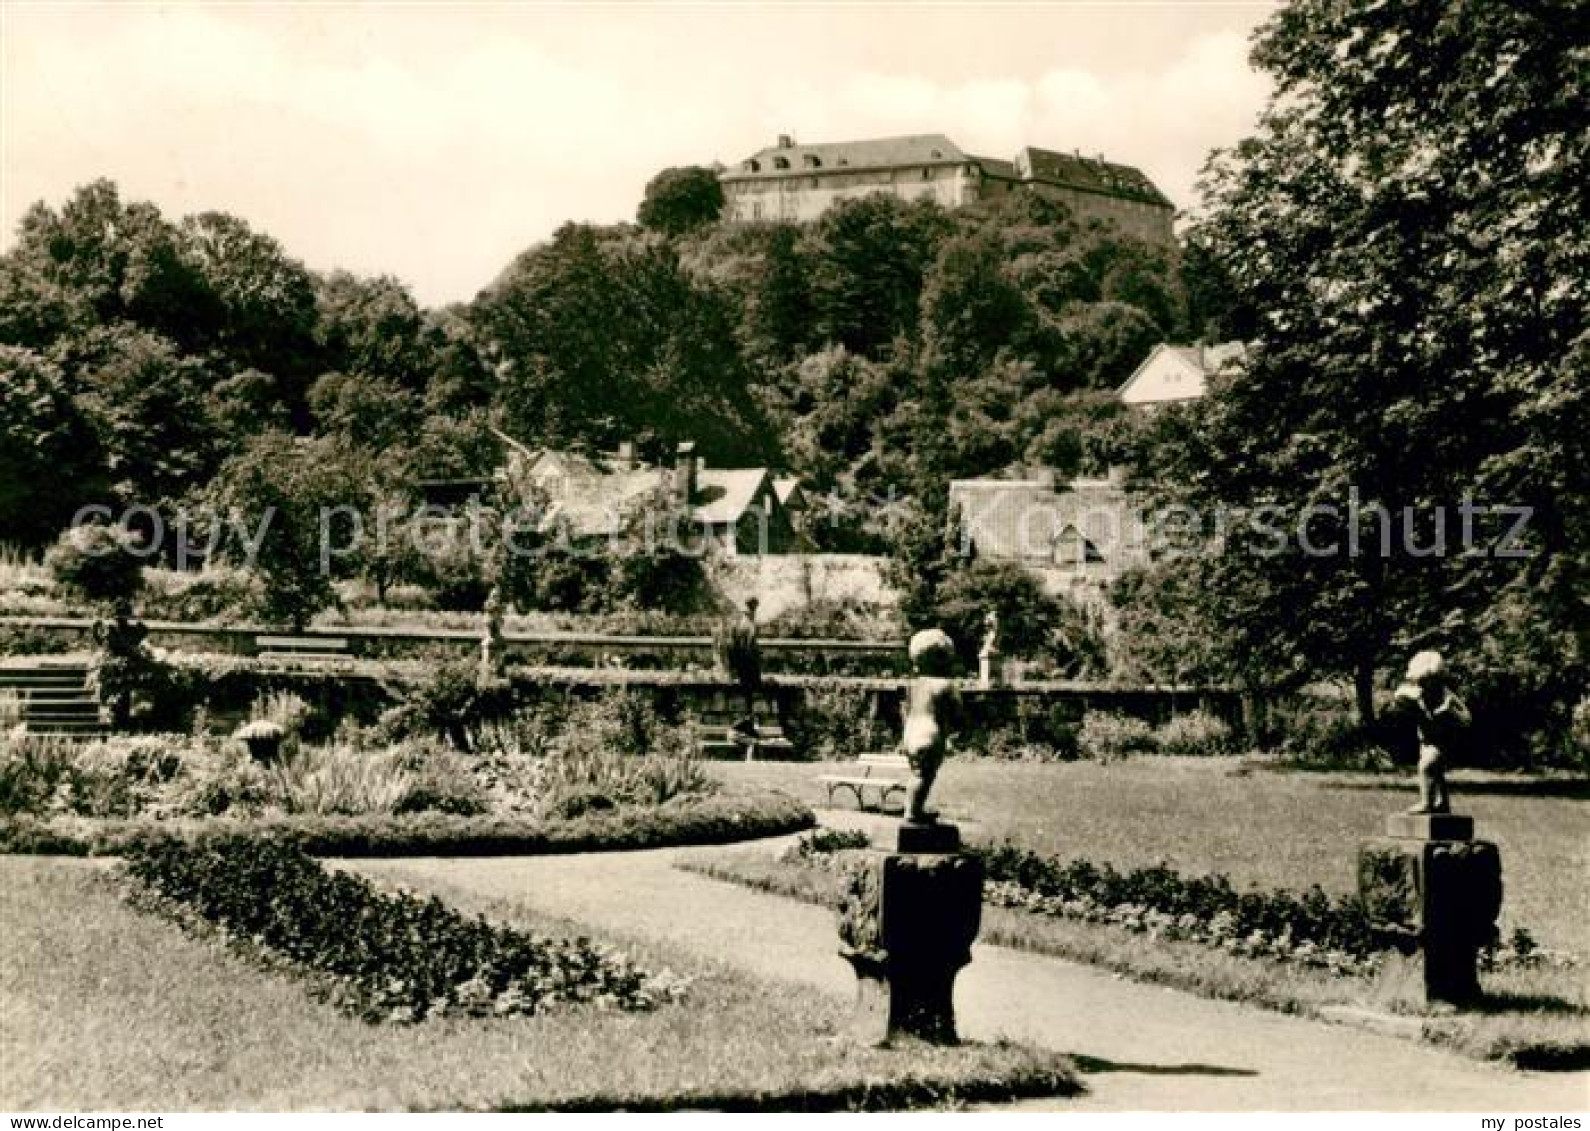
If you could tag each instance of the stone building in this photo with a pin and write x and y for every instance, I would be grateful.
(789, 181)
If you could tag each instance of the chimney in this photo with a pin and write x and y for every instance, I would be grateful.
(785, 141)
(626, 455)
(685, 472)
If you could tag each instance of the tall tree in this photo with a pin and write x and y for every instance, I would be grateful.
(680, 200)
(1410, 227)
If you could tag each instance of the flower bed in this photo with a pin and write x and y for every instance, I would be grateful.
(711, 820)
(1310, 929)
(384, 956)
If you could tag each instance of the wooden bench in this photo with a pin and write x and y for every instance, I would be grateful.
(718, 739)
(881, 772)
(301, 648)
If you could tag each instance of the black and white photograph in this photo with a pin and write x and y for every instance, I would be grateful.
(1024, 556)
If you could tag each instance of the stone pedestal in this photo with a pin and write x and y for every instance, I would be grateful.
(906, 925)
(1428, 885)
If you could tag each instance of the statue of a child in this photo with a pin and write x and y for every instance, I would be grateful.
(928, 696)
(1441, 718)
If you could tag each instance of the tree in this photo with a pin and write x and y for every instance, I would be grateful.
(49, 458)
(285, 502)
(1410, 229)
(679, 200)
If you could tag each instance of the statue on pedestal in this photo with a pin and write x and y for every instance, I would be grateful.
(929, 694)
(989, 653)
(1441, 717)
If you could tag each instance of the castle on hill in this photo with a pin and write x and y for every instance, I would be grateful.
(789, 181)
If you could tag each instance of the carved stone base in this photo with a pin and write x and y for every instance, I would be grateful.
(906, 926)
(927, 836)
(1438, 896)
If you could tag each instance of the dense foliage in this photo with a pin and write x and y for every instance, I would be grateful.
(1404, 238)
(385, 956)
(880, 346)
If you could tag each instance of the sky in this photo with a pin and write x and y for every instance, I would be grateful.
(435, 142)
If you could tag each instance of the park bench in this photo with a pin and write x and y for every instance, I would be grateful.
(884, 773)
(301, 648)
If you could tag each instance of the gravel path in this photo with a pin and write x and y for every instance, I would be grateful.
(1142, 1048)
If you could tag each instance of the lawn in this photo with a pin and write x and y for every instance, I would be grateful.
(106, 1008)
(1259, 826)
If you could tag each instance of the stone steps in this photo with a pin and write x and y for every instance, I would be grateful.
(55, 697)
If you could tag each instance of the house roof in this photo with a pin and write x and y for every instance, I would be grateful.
(1029, 518)
(590, 495)
(871, 153)
(1072, 170)
(1197, 362)
(723, 496)
(788, 490)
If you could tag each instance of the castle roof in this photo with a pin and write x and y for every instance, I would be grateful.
(1089, 174)
(789, 158)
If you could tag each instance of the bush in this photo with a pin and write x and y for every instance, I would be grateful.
(1106, 737)
(98, 563)
(384, 956)
(836, 723)
(210, 594)
(1197, 734)
(1325, 734)
(616, 751)
(695, 820)
(451, 702)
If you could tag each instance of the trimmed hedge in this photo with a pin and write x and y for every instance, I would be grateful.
(719, 819)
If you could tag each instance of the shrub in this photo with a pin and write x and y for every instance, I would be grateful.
(1328, 735)
(1197, 734)
(1106, 737)
(616, 751)
(209, 594)
(451, 702)
(694, 820)
(385, 956)
(820, 842)
(834, 723)
(98, 563)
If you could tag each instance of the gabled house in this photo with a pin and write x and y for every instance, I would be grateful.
(736, 510)
(1076, 537)
(1174, 374)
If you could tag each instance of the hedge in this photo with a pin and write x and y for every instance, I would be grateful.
(719, 819)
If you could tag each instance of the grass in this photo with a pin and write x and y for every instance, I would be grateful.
(1259, 826)
(1533, 1019)
(103, 1008)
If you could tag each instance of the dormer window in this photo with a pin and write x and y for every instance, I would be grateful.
(781, 162)
(812, 161)
(753, 165)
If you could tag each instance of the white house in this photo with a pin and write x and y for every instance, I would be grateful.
(1178, 373)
